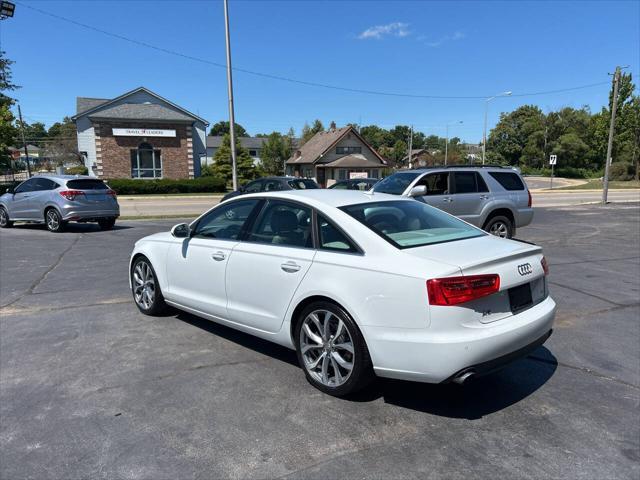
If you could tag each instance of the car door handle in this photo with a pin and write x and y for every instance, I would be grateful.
(290, 267)
(484, 197)
(218, 256)
(447, 199)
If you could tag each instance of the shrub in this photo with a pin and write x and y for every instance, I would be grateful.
(572, 172)
(79, 170)
(621, 171)
(129, 186)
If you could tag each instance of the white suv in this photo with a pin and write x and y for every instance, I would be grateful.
(495, 199)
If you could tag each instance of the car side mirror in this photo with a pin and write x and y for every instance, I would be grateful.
(418, 191)
(181, 230)
(10, 190)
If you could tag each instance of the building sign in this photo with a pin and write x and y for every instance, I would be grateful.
(358, 175)
(142, 132)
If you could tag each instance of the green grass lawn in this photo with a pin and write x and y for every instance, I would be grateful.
(595, 184)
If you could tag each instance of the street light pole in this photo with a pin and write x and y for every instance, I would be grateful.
(607, 161)
(486, 110)
(410, 145)
(232, 122)
(446, 145)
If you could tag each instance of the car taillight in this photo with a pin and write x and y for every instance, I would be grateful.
(456, 290)
(545, 266)
(112, 193)
(71, 194)
(530, 201)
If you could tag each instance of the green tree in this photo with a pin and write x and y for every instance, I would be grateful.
(222, 128)
(62, 143)
(222, 162)
(8, 132)
(308, 132)
(376, 136)
(275, 151)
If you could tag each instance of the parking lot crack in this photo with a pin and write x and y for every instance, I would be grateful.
(577, 290)
(44, 275)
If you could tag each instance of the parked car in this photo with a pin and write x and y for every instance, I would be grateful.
(56, 200)
(358, 284)
(493, 198)
(273, 184)
(355, 184)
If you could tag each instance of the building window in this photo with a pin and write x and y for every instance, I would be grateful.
(342, 174)
(375, 173)
(253, 153)
(348, 150)
(146, 162)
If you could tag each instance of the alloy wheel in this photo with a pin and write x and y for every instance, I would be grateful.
(4, 218)
(327, 348)
(144, 285)
(52, 221)
(499, 229)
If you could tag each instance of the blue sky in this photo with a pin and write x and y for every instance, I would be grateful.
(473, 48)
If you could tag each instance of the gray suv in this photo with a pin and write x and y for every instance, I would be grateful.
(495, 199)
(57, 199)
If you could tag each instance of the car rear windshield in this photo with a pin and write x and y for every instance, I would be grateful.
(410, 223)
(395, 184)
(508, 180)
(87, 184)
(302, 184)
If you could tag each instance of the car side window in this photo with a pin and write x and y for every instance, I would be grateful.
(45, 184)
(465, 182)
(227, 221)
(27, 186)
(509, 180)
(285, 224)
(272, 186)
(331, 238)
(436, 183)
(253, 187)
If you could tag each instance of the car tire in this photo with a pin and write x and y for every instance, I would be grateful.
(106, 223)
(4, 218)
(145, 289)
(53, 221)
(335, 363)
(500, 226)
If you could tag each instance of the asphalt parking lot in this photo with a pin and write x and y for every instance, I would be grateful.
(90, 388)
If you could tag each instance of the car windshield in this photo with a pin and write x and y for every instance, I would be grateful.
(395, 184)
(302, 184)
(409, 223)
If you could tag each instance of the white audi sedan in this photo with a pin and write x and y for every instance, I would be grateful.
(359, 284)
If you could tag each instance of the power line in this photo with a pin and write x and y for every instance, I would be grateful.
(294, 80)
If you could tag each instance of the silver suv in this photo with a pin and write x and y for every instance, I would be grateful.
(495, 199)
(58, 199)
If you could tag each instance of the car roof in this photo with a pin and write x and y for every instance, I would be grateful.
(330, 197)
(474, 168)
(54, 176)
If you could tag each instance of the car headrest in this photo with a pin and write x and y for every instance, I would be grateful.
(283, 221)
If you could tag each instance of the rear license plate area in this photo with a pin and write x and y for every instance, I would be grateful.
(520, 298)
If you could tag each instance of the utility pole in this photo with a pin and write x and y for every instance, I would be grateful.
(26, 149)
(232, 121)
(607, 161)
(410, 144)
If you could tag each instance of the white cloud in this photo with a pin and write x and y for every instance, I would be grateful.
(447, 38)
(394, 29)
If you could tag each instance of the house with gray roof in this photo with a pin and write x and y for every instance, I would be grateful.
(139, 134)
(337, 154)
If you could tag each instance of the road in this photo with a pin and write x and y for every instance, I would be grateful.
(192, 206)
(90, 388)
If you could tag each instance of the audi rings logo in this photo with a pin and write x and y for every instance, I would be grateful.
(525, 269)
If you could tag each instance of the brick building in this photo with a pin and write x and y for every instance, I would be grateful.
(139, 135)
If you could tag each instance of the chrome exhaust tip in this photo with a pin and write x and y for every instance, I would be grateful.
(464, 378)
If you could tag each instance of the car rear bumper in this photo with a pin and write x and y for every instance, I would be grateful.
(524, 217)
(434, 357)
(85, 214)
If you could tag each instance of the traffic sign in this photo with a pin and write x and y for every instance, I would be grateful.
(553, 159)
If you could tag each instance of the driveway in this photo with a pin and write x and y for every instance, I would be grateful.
(90, 388)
